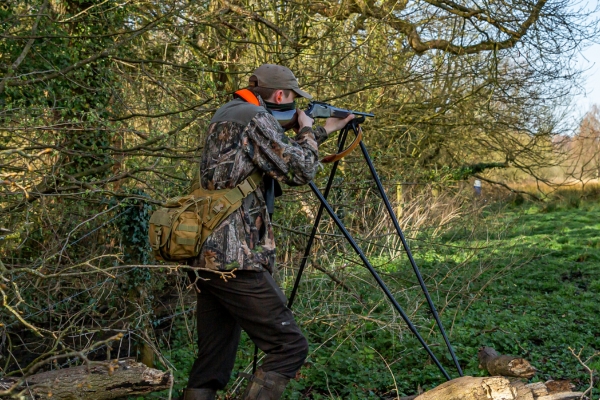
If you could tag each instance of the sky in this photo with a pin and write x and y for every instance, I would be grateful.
(589, 60)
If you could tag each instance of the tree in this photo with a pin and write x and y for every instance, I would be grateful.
(104, 105)
(584, 149)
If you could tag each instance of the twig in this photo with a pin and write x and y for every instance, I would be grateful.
(590, 389)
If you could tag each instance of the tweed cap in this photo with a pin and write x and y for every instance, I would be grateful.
(274, 76)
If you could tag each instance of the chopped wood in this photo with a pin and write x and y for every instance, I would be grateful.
(108, 380)
(492, 388)
(504, 365)
(471, 388)
(538, 388)
(562, 396)
(559, 386)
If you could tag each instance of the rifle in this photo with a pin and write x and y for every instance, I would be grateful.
(317, 109)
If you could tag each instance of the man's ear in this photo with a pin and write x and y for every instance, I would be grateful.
(278, 96)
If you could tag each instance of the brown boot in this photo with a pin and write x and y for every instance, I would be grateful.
(199, 394)
(265, 385)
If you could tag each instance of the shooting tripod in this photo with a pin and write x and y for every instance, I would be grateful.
(354, 125)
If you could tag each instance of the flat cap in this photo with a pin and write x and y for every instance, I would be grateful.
(274, 76)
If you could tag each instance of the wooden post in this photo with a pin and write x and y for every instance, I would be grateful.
(399, 200)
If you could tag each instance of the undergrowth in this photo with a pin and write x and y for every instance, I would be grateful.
(523, 279)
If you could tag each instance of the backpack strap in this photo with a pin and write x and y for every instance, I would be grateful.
(223, 206)
(242, 190)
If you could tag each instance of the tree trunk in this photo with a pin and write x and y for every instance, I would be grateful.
(497, 364)
(107, 381)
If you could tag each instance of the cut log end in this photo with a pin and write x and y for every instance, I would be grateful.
(504, 365)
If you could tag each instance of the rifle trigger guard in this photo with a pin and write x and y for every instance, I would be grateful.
(336, 157)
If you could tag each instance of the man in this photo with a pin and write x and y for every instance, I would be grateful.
(243, 138)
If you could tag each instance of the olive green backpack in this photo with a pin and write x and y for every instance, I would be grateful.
(178, 230)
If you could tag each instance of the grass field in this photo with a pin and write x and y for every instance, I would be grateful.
(523, 279)
(547, 301)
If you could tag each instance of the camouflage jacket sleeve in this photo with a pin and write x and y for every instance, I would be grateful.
(292, 161)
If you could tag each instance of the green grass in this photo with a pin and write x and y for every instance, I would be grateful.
(549, 303)
(524, 280)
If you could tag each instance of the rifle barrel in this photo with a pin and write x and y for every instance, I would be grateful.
(364, 114)
(318, 109)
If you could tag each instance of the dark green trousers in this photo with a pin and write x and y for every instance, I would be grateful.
(251, 301)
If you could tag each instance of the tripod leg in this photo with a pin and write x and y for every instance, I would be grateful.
(409, 254)
(311, 238)
(341, 142)
(365, 261)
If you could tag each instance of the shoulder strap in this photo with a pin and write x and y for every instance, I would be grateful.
(243, 189)
(248, 96)
(230, 200)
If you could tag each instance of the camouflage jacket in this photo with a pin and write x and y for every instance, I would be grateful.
(243, 138)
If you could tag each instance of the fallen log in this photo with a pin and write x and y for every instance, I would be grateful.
(108, 380)
(503, 365)
(493, 388)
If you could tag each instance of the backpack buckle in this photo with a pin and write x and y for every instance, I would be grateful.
(218, 207)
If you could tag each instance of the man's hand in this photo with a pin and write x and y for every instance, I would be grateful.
(335, 124)
(304, 120)
(331, 124)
